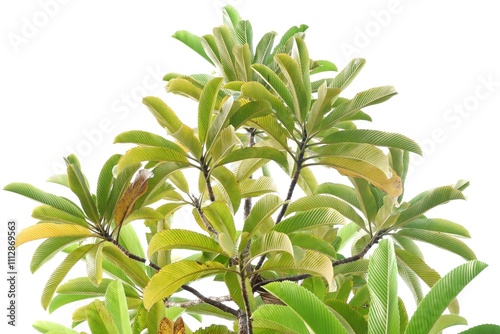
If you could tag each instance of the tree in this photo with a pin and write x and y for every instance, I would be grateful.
(284, 260)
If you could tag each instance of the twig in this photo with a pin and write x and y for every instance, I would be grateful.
(197, 302)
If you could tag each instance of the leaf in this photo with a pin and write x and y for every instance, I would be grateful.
(274, 81)
(257, 187)
(270, 242)
(193, 42)
(249, 111)
(147, 139)
(382, 284)
(482, 329)
(374, 137)
(105, 182)
(325, 201)
(310, 241)
(119, 185)
(227, 182)
(49, 327)
(440, 240)
(363, 99)
(185, 87)
(206, 106)
(264, 47)
(221, 218)
(219, 122)
(225, 44)
(135, 190)
(57, 202)
(310, 262)
(99, 319)
(271, 318)
(214, 329)
(117, 306)
(260, 212)
(427, 201)
(142, 153)
(127, 266)
(345, 77)
(94, 264)
(165, 116)
(167, 326)
(438, 225)
(186, 136)
(307, 306)
(48, 249)
(348, 316)
(322, 105)
(243, 62)
(291, 71)
(185, 239)
(320, 66)
(255, 152)
(78, 185)
(49, 214)
(446, 321)
(61, 271)
(174, 275)
(51, 230)
(310, 219)
(441, 294)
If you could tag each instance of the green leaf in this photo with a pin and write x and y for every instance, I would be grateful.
(363, 99)
(255, 152)
(320, 66)
(221, 218)
(270, 242)
(174, 275)
(48, 249)
(261, 211)
(440, 240)
(52, 327)
(47, 213)
(310, 219)
(284, 44)
(382, 284)
(186, 136)
(61, 271)
(264, 47)
(322, 105)
(248, 111)
(147, 139)
(309, 262)
(227, 182)
(345, 77)
(243, 62)
(185, 239)
(142, 153)
(310, 241)
(219, 123)
(257, 187)
(129, 267)
(51, 230)
(94, 264)
(193, 42)
(165, 116)
(428, 200)
(78, 185)
(438, 225)
(341, 191)
(348, 316)
(117, 306)
(483, 329)
(374, 137)
(273, 129)
(105, 182)
(225, 44)
(358, 267)
(307, 306)
(185, 86)
(440, 296)
(99, 319)
(292, 72)
(41, 196)
(446, 321)
(274, 81)
(206, 106)
(325, 201)
(271, 318)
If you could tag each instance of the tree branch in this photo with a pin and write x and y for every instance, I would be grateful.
(195, 292)
(197, 302)
(350, 259)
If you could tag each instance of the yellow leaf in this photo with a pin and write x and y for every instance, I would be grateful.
(135, 190)
(169, 327)
(50, 230)
(392, 186)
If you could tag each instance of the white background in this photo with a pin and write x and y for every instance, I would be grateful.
(73, 83)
